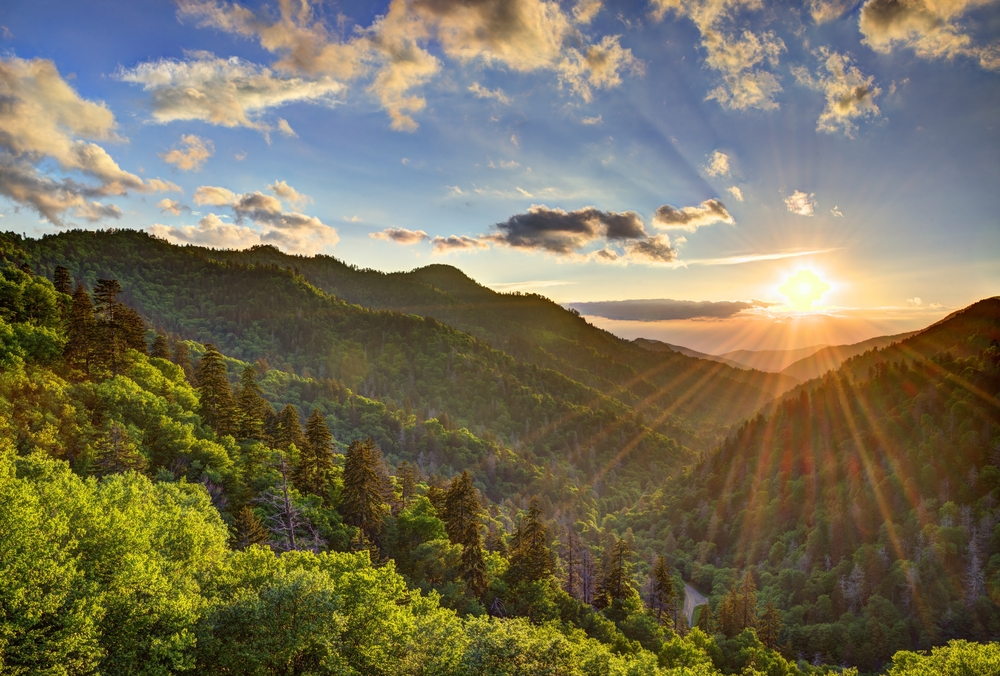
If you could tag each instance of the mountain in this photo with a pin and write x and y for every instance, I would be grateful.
(660, 346)
(865, 504)
(772, 361)
(830, 358)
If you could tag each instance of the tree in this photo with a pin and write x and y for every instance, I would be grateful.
(80, 331)
(290, 529)
(462, 517)
(116, 453)
(248, 529)
(530, 556)
(215, 395)
(618, 579)
(706, 620)
(182, 357)
(571, 554)
(363, 498)
(61, 280)
(160, 349)
(109, 345)
(288, 429)
(729, 621)
(407, 475)
(663, 592)
(251, 407)
(769, 627)
(746, 602)
(315, 470)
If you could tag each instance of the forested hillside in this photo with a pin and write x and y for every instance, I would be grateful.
(865, 507)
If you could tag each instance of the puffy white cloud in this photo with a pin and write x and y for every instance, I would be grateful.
(42, 118)
(226, 92)
(837, 213)
(931, 28)
(850, 94)
(708, 212)
(286, 128)
(215, 196)
(740, 58)
(801, 203)
(211, 231)
(718, 164)
(736, 193)
(823, 11)
(172, 207)
(289, 194)
(520, 35)
(193, 156)
(401, 235)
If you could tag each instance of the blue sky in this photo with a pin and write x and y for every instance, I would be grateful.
(665, 149)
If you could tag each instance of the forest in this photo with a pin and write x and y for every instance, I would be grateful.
(249, 463)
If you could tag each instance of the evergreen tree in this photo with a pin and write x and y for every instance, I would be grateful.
(530, 556)
(118, 327)
(496, 541)
(160, 349)
(248, 529)
(746, 602)
(462, 517)
(315, 470)
(287, 429)
(663, 593)
(116, 453)
(706, 620)
(407, 475)
(363, 499)
(61, 280)
(729, 620)
(182, 357)
(618, 580)
(80, 331)
(571, 555)
(216, 396)
(769, 628)
(251, 407)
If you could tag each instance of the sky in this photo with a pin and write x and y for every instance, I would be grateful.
(698, 154)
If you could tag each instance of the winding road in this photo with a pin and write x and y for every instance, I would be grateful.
(692, 599)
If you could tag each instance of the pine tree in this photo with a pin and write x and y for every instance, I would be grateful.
(746, 602)
(407, 475)
(571, 554)
(248, 529)
(363, 498)
(251, 407)
(729, 621)
(80, 331)
(160, 349)
(215, 394)
(706, 620)
(110, 329)
(496, 540)
(770, 625)
(61, 280)
(462, 517)
(287, 430)
(663, 593)
(133, 330)
(530, 556)
(618, 581)
(315, 470)
(182, 357)
(116, 453)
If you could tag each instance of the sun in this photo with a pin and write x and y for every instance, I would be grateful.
(803, 289)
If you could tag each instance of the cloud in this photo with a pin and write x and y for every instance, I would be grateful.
(823, 11)
(656, 310)
(585, 10)
(482, 92)
(656, 248)
(400, 235)
(691, 218)
(457, 243)
(718, 164)
(291, 231)
(225, 92)
(193, 156)
(285, 128)
(211, 231)
(289, 194)
(564, 232)
(44, 122)
(916, 301)
(738, 58)
(931, 29)
(395, 51)
(850, 94)
(801, 203)
(754, 258)
(837, 212)
(736, 193)
(593, 120)
(172, 207)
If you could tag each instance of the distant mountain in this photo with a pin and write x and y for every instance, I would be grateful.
(771, 361)
(660, 346)
(832, 357)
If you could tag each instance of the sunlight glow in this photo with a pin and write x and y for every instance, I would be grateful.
(803, 289)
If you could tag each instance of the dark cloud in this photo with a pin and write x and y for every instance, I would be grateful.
(457, 243)
(400, 235)
(564, 232)
(654, 248)
(664, 309)
(691, 218)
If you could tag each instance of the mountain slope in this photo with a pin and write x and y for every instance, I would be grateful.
(772, 361)
(831, 357)
(660, 346)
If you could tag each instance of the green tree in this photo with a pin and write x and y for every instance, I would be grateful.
(287, 429)
(61, 280)
(663, 593)
(769, 626)
(115, 452)
(746, 602)
(182, 357)
(706, 620)
(216, 399)
(407, 475)
(530, 557)
(363, 498)
(618, 583)
(315, 470)
(463, 518)
(80, 331)
(251, 407)
(160, 349)
(248, 529)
